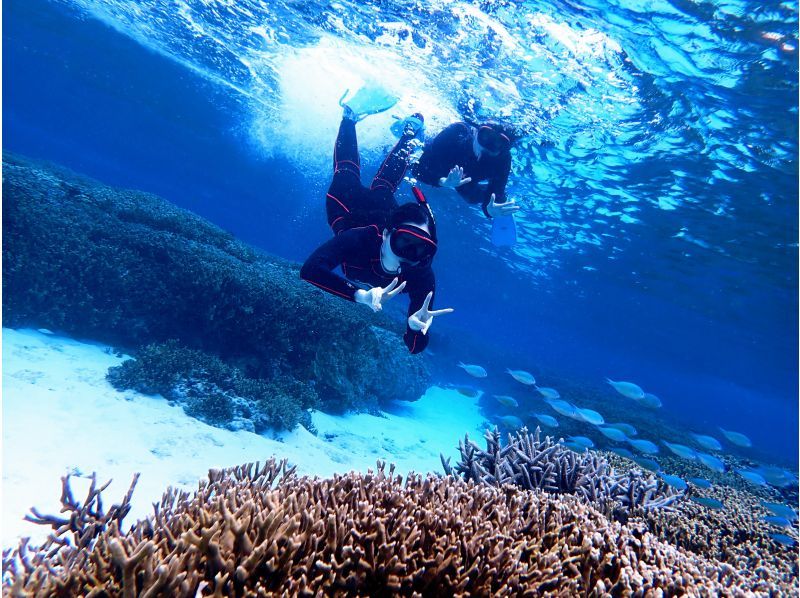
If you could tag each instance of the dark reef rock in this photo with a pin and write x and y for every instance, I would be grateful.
(130, 269)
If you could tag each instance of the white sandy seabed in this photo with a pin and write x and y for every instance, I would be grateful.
(61, 416)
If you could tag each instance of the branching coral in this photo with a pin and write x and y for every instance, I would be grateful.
(263, 531)
(547, 465)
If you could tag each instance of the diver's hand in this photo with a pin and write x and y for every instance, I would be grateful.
(377, 296)
(501, 209)
(422, 319)
(454, 179)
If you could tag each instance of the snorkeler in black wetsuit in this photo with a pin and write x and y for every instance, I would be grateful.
(388, 247)
(462, 157)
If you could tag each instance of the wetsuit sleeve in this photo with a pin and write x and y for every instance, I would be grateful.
(318, 268)
(418, 288)
(497, 182)
(442, 153)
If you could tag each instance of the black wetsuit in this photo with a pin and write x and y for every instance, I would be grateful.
(454, 147)
(357, 216)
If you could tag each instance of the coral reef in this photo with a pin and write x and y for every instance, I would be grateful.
(214, 392)
(262, 531)
(547, 465)
(129, 269)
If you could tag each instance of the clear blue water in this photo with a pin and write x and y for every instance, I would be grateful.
(658, 171)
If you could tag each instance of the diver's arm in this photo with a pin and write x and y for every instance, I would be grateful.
(442, 154)
(318, 268)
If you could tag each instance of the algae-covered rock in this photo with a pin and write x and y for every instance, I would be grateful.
(129, 268)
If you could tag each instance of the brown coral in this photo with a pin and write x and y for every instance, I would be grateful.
(261, 531)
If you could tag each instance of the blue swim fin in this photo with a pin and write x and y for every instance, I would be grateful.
(504, 231)
(369, 99)
(413, 125)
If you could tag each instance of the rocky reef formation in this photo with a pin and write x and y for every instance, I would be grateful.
(130, 269)
(533, 463)
(262, 531)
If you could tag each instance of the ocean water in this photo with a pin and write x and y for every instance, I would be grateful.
(657, 167)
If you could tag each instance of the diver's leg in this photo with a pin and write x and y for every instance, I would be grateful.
(391, 172)
(345, 189)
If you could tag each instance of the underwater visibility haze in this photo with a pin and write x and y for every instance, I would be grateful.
(654, 158)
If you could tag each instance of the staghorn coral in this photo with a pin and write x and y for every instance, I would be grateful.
(262, 531)
(547, 465)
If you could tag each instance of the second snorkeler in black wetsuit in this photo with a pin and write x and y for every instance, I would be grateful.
(462, 157)
(386, 247)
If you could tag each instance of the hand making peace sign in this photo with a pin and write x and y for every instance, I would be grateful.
(422, 319)
(377, 296)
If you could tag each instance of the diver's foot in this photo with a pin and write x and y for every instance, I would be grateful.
(348, 114)
(414, 125)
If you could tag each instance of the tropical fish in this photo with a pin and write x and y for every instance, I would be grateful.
(784, 539)
(512, 422)
(776, 476)
(711, 462)
(506, 400)
(582, 440)
(681, 450)
(574, 446)
(622, 452)
(473, 370)
(547, 420)
(673, 481)
(650, 400)
(648, 464)
(707, 442)
(752, 476)
(643, 446)
(627, 389)
(548, 393)
(775, 520)
(468, 391)
(613, 433)
(737, 438)
(522, 376)
(563, 407)
(711, 503)
(780, 509)
(628, 429)
(700, 482)
(590, 416)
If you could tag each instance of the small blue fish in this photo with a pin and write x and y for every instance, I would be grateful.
(574, 446)
(784, 539)
(626, 429)
(711, 503)
(700, 482)
(522, 377)
(613, 433)
(582, 440)
(627, 389)
(648, 464)
(650, 400)
(473, 370)
(752, 476)
(622, 452)
(506, 400)
(673, 481)
(547, 420)
(643, 446)
(681, 450)
(707, 442)
(511, 422)
(737, 438)
(590, 416)
(548, 393)
(780, 509)
(468, 391)
(775, 520)
(563, 407)
(776, 476)
(711, 462)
